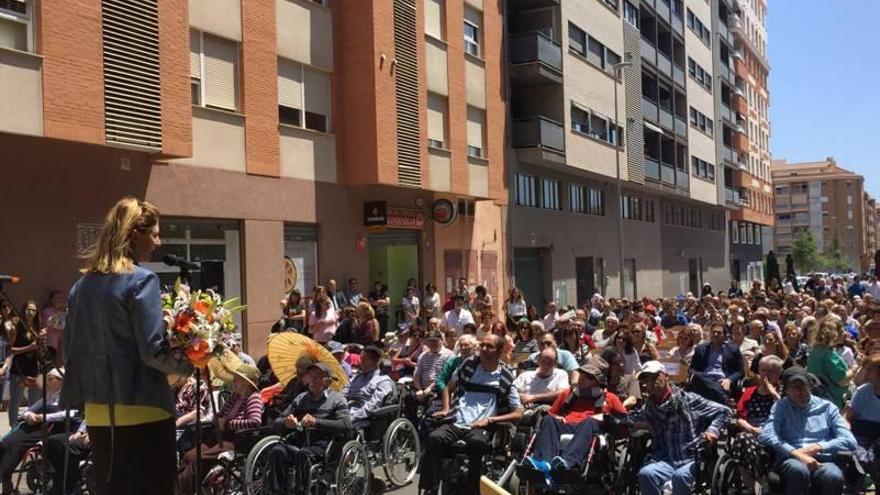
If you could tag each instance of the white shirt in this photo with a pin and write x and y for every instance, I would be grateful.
(874, 289)
(550, 321)
(409, 307)
(457, 320)
(516, 308)
(529, 382)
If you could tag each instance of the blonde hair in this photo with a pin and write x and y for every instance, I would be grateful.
(827, 333)
(112, 253)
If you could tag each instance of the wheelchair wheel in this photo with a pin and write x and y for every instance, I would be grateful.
(401, 452)
(353, 472)
(32, 469)
(727, 478)
(256, 466)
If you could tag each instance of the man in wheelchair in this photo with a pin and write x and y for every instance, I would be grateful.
(315, 417)
(577, 411)
(368, 389)
(806, 433)
(677, 422)
(483, 395)
(543, 385)
(863, 415)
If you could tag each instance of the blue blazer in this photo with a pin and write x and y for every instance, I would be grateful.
(731, 360)
(114, 344)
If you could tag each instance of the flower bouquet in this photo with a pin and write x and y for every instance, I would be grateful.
(197, 323)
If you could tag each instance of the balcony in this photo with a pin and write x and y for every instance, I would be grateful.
(662, 9)
(728, 154)
(678, 25)
(678, 75)
(725, 112)
(682, 179)
(652, 168)
(726, 72)
(681, 126)
(667, 174)
(649, 52)
(649, 110)
(664, 64)
(666, 120)
(539, 132)
(730, 196)
(723, 31)
(536, 60)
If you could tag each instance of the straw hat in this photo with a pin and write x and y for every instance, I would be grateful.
(248, 373)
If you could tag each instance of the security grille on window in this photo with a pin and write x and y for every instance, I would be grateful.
(214, 68)
(16, 25)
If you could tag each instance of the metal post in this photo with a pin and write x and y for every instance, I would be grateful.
(618, 180)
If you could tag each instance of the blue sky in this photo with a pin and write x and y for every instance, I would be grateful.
(825, 83)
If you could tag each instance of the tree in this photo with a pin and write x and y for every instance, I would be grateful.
(804, 252)
(834, 259)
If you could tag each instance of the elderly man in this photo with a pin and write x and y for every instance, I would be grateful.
(564, 359)
(543, 385)
(369, 388)
(552, 315)
(483, 395)
(716, 367)
(806, 432)
(605, 336)
(671, 415)
(458, 316)
(428, 366)
(577, 410)
(324, 414)
(467, 344)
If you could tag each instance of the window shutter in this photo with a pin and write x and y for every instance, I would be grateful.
(317, 86)
(406, 83)
(132, 90)
(195, 50)
(475, 128)
(437, 118)
(290, 86)
(434, 18)
(221, 63)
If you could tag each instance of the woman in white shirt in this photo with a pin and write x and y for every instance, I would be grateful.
(514, 307)
(431, 302)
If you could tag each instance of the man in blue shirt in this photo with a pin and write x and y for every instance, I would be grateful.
(672, 316)
(716, 367)
(805, 432)
(484, 394)
(369, 388)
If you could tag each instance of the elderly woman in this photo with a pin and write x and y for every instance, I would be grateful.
(826, 364)
(772, 347)
(797, 348)
(525, 344)
(244, 410)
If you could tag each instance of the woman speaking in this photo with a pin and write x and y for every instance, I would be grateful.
(115, 361)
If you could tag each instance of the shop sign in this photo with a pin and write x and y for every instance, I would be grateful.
(404, 218)
(375, 213)
(442, 211)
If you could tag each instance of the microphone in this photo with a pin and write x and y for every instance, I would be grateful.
(11, 279)
(172, 260)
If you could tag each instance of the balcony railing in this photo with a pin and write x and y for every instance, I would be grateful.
(652, 168)
(678, 24)
(680, 126)
(666, 120)
(539, 132)
(682, 179)
(726, 72)
(649, 109)
(728, 154)
(729, 196)
(535, 47)
(678, 74)
(722, 31)
(664, 64)
(649, 52)
(667, 174)
(726, 114)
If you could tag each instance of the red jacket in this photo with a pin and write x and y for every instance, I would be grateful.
(581, 408)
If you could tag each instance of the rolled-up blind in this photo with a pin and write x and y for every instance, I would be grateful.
(475, 127)
(437, 118)
(290, 84)
(195, 57)
(221, 77)
(317, 86)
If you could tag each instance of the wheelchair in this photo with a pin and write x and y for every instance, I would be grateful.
(227, 476)
(598, 474)
(30, 470)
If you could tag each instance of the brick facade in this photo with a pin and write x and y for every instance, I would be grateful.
(259, 87)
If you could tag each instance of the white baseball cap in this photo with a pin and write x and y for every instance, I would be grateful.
(652, 368)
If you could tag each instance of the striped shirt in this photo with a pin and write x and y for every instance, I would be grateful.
(429, 366)
(186, 399)
(242, 413)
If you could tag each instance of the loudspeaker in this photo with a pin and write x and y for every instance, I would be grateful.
(212, 275)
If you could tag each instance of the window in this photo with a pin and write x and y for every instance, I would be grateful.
(701, 122)
(303, 96)
(577, 198)
(589, 200)
(16, 25)
(631, 13)
(699, 28)
(636, 208)
(757, 233)
(213, 71)
(475, 135)
(550, 194)
(436, 120)
(434, 18)
(586, 121)
(526, 192)
(734, 231)
(472, 22)
(592, 49)
(577, 40)
(702, 168)
(610, 3)
(700, 75)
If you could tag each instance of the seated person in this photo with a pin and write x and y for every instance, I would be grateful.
(369, 388)
(324, 413)
(577, 411)
(278, 400)
(186, 403)
(564, 358)
(716, 367)
(863, 415)
(543, 385)
(805, 432)
(467, 344)
(242, 411)
(484, 394)
(752, 411)
(670, 414)
(338, 351)
(625, 387)
(428, 366)
(29, 431)
(70, 449)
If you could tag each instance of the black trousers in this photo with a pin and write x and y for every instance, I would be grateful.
(574, 454)
(55, 451)
(283, 456)
(143, 459)
(708, 387)
(479, 443)
(14, 446)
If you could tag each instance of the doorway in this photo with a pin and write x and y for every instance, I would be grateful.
(394, 259)
(529, 272)
(695, 275)
(590, 278)
(629, 278)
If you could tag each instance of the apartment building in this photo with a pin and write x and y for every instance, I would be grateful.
(570, 141)
(870, 227)
(284, 142)
(742, 103)
(825, 199)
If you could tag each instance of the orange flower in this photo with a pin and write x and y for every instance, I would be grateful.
(202, 307)
(181, 323)
(198, 354)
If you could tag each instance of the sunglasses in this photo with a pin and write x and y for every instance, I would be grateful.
(542, 344)
(487, 346)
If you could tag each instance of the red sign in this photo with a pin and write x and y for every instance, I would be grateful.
(403, 218)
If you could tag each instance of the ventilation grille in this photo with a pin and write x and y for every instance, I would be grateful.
(409, 140)
(132, 92)
(635, 133)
